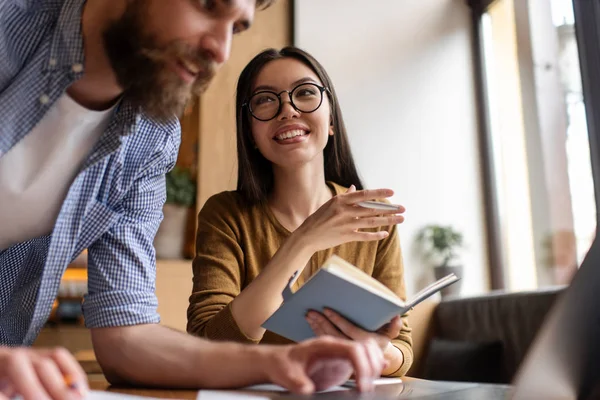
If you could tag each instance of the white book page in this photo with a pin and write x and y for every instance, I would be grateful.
(99, 395)
(227, 394)
(351, 383)
(431, 289)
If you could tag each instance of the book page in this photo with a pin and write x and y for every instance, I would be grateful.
(99, 395)
(345, 270)
(351, 383)
(432, 289)
(231, 395)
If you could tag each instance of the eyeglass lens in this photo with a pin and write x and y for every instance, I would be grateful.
(306, 97)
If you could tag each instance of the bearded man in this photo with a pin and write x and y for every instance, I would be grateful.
(90, 92)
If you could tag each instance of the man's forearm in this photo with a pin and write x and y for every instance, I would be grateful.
(159, 356)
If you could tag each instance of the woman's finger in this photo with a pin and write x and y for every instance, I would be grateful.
(345, 326)
(364, 195)
(375, 222)
(322, 326)
(392, 329)
(359, 211)
(360, 236)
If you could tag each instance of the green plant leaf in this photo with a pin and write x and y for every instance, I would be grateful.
(440, 241)
(181, 188)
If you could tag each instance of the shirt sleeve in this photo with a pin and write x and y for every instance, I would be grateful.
(122, 262)
(218, 273)
(389, 270)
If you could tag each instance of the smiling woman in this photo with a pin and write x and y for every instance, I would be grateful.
(296, 204)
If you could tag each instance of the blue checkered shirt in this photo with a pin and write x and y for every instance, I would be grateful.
(114, 206)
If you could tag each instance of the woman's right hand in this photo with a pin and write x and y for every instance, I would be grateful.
(341, 220)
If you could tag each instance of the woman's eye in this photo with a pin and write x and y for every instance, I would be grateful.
(306, 92)
(263, 100)
(208, 5)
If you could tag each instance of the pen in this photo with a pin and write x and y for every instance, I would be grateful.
(378, 205)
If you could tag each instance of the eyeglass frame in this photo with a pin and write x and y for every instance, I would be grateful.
(290, 93)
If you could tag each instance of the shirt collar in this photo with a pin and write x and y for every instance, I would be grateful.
(66, 50)
(67, 54)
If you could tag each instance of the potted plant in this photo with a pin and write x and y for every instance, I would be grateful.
(440, 245)
(181, 195)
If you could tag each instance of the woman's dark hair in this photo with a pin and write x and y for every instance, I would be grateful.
(255, 172)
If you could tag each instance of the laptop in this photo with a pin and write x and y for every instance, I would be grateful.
(564, 360)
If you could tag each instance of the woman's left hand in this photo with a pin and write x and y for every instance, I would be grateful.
(333, 324)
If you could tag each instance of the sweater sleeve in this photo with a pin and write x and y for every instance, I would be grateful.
(218, 268)
(389, 270)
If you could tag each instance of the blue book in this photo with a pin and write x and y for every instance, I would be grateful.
(340, 286)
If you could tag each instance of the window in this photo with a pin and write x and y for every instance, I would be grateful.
(539, 141)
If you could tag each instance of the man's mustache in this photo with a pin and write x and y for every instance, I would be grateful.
(183, 53)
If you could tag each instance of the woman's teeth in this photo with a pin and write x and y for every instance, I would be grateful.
(290, 134)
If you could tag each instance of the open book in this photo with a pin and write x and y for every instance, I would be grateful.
(352, 293)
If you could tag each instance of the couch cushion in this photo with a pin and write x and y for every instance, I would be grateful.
(465, 361)
(511, 318)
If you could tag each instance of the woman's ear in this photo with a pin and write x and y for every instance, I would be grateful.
(331, 125)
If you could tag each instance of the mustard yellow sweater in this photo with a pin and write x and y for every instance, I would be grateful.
(235, 241)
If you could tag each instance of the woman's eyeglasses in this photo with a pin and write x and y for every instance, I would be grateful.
(266, 105)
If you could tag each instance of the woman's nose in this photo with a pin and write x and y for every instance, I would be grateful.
(287, 108)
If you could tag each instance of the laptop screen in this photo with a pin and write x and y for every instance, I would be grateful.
(564, 360)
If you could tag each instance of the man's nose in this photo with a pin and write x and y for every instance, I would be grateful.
(217, 43)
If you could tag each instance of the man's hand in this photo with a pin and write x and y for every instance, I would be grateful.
(318, 364)
(40, 374)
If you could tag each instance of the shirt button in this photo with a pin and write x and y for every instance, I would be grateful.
(44, 99)
(52, 62)
(77, 68)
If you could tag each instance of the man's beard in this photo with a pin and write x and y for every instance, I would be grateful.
(142, 68)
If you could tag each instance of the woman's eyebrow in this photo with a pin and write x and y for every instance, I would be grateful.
(295, 83)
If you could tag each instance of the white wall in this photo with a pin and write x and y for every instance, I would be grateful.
(403, 72)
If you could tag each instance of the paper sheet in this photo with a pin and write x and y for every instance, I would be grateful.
(377, 382)
(225, 395)
(98, 395)
(275, 388)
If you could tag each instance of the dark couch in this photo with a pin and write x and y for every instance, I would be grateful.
(478, 339)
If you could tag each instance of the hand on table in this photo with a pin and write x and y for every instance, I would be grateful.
(318, 364)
